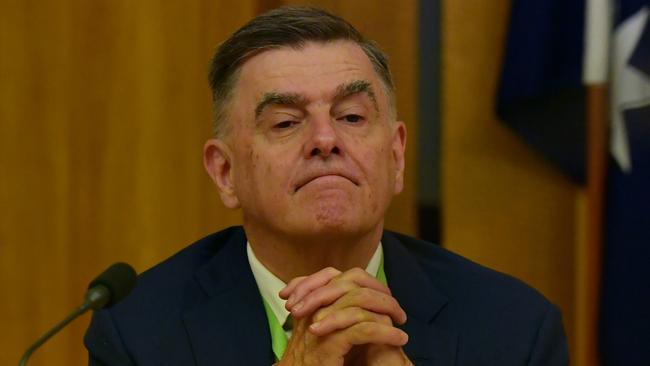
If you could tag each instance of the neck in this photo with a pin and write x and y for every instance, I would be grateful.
(291, 257)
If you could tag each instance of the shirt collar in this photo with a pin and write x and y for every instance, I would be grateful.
(270, 285)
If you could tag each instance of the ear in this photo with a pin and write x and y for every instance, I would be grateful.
(399, 149)
(217, 160)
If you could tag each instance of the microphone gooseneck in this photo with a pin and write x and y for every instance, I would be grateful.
(109, 288)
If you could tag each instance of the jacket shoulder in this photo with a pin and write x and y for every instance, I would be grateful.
(499, 319)
(460, 278)
(150, 318)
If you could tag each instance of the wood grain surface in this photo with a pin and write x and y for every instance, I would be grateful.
(504, 205)
(104, 108)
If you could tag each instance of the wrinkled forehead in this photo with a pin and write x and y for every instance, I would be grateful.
(315, 70)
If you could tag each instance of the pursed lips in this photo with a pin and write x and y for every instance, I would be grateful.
(311, 177)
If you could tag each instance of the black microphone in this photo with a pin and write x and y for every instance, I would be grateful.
(109, 288)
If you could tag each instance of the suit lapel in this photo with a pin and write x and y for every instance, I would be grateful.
(229, 324)
(428, 344)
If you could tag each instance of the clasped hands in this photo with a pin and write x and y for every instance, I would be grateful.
(343, 318)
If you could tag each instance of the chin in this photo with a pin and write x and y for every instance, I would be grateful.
(334, 223)
(330, 232)
(332, 214)
(336, 213)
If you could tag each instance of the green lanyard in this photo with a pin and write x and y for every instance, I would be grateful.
(279, 338)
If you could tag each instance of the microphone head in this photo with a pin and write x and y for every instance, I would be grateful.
(119, 279)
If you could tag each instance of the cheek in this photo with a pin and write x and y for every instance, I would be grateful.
(380, 170)
(258, 170)
(268, 173)
(378, 164)
(246, 164)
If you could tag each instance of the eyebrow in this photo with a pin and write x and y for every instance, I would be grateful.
(294, 99)
(357, 87)
(276, 98)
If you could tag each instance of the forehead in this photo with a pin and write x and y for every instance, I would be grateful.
(314, 70)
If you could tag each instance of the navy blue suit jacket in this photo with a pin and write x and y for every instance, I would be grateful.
(202, 307)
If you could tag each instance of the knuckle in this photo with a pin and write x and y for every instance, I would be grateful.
(344, 284)
(331, 271)
(366, 330)
(296, 280)
(357, 272)
(298, 289)
(320, 315)
(362, 295)
(384, 319)
(359, 315)
(394, 304)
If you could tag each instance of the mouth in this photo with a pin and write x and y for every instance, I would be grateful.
(325, 178)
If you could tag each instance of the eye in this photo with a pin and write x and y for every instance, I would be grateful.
(284, 125)
(353, 118)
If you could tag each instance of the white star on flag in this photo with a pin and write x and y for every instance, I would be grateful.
(630, 88)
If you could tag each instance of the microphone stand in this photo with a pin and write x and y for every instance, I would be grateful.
(96, 298)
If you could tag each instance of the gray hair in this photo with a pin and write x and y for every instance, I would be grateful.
(284, 27)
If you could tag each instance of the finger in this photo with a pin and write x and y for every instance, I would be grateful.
(362, 279)
(308, 284)
(386, 355)
(305, 346)
(370, 333)
(337, 296)
(346, 318)
(321, 297)
(286, 291)
(334, 289)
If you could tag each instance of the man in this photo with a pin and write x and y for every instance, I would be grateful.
(308, 146)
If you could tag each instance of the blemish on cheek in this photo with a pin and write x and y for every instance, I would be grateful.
(373, 203)
(253, 157)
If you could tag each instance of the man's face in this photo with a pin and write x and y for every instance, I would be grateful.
(311, 148)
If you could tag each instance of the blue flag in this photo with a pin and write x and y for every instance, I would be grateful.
(542, 98)
(625, 311)
(541, 95)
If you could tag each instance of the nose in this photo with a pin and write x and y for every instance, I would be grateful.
(323, 139)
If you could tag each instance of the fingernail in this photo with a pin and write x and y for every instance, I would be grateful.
(292, 298)
(315, 326)
(297, 306)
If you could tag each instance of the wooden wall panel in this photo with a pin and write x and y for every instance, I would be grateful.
(503, 205)
(104, 108)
